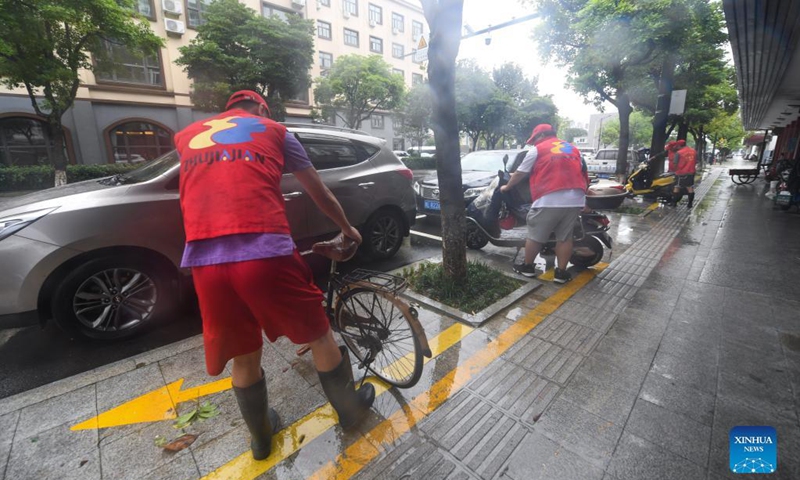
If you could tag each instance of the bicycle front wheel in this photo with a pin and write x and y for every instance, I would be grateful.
(380, 331)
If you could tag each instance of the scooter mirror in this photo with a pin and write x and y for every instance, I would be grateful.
(505, 162)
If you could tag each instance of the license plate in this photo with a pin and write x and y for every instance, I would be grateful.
(783, 199)
(603, 175)
(432, 205)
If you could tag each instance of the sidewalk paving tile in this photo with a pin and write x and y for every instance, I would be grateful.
(567, 334)
(694, 403)
(8, 426)
(686, 372)
(117, 390)
(672, 431)
(601, 398)
(68, 408)
(588, 435)
(414, 457)
(182, 468)
(544, 358)
(626, 376)
(636, 458)
(57, 454)
(539, 458)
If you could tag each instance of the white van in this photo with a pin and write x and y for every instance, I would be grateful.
(424, 152)
(604, 164)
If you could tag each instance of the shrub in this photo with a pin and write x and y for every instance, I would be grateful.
(39, 177)
(419, 163)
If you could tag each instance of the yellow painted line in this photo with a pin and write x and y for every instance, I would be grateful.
(652, 207)
(291, 439)
(361, 453)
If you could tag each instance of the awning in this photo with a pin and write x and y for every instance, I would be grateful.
(754, 139)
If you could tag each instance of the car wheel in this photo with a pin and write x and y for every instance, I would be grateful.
(113, 297)
(476, 239)
(586, 252)
(383, 234)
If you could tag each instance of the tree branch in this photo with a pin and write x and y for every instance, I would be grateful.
(32, 96)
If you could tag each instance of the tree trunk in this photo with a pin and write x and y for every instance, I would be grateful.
(683, 131)
(662, 111)
(444, 19)
(474, 142)
(60, 159)
(625, 109)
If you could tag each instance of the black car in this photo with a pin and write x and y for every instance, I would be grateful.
(478, 169)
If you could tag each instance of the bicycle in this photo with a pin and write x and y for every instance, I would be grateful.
(380, 328)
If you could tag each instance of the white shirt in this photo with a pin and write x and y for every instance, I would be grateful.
(569, 198)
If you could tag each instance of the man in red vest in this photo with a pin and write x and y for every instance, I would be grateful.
(247, 272)
(684, 164)
(558, 182)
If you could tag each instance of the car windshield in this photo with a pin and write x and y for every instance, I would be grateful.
(488, 161)
(151, 170)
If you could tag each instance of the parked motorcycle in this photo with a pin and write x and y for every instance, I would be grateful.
(788, 189)
(641, 181)
(494, 211)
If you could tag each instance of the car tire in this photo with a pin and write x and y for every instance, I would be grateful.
(382, 234)
(594, 248)
(476, 239)
(114, 297)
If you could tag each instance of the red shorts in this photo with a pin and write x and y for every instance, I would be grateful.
(239, 300)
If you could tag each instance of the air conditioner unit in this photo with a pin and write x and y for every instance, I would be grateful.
(319, 5)
(298, 3)
(395, 31)
(345, 14)
(372, 23)
(174, 7)
(174, 26)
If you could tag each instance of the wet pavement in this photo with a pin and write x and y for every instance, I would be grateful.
(635, 370)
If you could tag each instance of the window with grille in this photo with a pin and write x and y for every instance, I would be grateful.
(398, 50)
(375, 14)
(417, 79)
(416, 29)
(325, 60)
(350, 37)
(130, 67)
(398, 22)
(195, 11)
(375, 45)
(26, 141)
(324, 30)
(351, 7)
(136, 142)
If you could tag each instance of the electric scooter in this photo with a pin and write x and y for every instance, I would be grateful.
(641, 181)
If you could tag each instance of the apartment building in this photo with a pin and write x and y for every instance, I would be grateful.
(132, 114)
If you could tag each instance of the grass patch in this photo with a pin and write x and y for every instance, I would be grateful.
(630, 210)
(482, 287)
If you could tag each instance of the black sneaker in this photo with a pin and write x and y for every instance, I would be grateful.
(561, 276)
(526, 269)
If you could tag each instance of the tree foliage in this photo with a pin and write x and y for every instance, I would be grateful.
(640, 131)
(416, 114)
(356, 87)
(726, 132)
(46, 43)
(499, 107)
(238, 49)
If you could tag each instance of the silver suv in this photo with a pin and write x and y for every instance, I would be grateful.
(102, 257)
(604, 164)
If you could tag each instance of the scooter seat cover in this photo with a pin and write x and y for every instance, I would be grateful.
(667, 174)
(558, 167)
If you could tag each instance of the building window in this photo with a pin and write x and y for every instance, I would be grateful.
(145, 8)
(416, 79)
(375, 45)
(377, 121)
(138, 141)
(195, 11)
(324, 30)
(398, 50)
(351, 7)
(130, 67)
(400, 72)
(273, 11)
(398, 144)
(325, 60)
(375, 15)
(350, 37)
(324, 3)
(398, 22)
(416, 29)
(414, 56)
(301, 96)
(26, 141)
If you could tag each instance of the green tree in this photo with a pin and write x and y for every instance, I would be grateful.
(606, 44)
(238, 49)
(518, 108)
(474, 90)
(640, 134)
(725, 132)
(416, 114)
(46, 43)
(571, 133)
(356, 87)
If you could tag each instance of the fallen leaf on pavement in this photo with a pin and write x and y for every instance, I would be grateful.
(180, 443)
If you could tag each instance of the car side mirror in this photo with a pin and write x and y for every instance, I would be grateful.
(505, 162)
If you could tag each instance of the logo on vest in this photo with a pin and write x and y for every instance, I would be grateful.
(753, 450)
(227, 131)
(562, 147)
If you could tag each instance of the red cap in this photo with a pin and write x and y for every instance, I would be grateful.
(671, 144)
(538, 129)
(681, 143)
(246, 95)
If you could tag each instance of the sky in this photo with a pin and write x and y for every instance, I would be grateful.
(515, 44)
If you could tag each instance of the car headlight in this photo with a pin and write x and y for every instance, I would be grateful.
(474, 192)
(14, 223)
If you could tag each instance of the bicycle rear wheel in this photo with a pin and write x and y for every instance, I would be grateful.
(380, 330)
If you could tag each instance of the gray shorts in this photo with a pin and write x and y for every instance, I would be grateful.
(544, 221)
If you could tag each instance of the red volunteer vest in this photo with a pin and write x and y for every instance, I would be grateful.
(231, 168)
(558, 167)
(687, 161)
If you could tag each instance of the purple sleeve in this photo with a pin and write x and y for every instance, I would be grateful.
(294, 155)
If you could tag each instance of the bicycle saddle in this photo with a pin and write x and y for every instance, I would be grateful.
(339, 248)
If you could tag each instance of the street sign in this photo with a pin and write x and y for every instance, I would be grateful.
(421, 53)
(678, 102)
